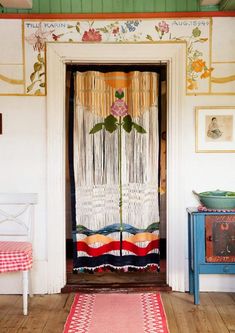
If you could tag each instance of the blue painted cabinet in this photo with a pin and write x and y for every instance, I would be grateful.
(211, 245)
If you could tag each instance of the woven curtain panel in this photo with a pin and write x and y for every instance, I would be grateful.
(97, 235)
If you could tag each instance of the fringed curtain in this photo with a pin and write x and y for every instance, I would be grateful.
(96, 234)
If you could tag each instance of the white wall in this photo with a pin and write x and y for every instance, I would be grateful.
(206, 171)
(23, 145)
(22, 169)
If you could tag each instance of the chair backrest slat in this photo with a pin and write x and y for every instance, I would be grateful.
(16, 215)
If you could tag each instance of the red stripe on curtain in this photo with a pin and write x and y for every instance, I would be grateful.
(115, 245)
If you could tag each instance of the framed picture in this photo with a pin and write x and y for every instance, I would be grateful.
(215, 129)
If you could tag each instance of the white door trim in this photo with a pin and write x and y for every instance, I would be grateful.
(58, 55)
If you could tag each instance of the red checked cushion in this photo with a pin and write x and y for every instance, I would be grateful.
(15, 256)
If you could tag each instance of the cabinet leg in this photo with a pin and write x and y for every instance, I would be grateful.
(190, 242)
(196, 288)
(191, 281)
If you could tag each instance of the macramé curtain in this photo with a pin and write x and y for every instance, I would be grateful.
(96, 233)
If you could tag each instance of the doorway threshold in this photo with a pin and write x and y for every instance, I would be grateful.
(115, 282)
(99, 282)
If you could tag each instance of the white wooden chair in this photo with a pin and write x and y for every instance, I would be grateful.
(16, 220)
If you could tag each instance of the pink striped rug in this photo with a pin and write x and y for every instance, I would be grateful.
(117, 313)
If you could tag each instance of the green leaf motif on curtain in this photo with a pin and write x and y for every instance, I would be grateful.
(110, 123)
(139, 128)
(127, 123)
(119, 93)
(98, 127)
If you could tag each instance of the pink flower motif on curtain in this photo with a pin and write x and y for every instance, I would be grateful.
(119, 108)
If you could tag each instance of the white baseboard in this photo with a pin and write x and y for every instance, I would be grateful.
(217, 282)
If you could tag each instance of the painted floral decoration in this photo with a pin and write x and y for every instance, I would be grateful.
(37, 77)
(38, 38)
(197, 67)
(92, 35)
(162, 28)
(121, 31)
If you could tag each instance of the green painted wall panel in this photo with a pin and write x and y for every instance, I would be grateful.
(56, 6)
(170, 6)
(117, 6)
(209, 8)
(181, 5)
(44, 6)
(35, 6)
(109, 6)
(160, 6)
(10, 10)
(86, 6)
(76, 6)
(97, 6)
(128, 6)
(65, 6)
(138, 6)
(192, 6)
(23, 11)
(149, 6)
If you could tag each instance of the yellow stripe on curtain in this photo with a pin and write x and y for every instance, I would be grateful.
(141, 237)
(96, 91)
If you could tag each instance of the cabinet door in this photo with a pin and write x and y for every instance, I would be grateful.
(220, 238)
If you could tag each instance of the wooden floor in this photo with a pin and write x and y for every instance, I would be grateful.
(48, 313)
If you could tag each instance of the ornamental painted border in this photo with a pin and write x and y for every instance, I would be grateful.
(196, 32)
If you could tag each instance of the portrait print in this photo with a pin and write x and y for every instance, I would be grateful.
(215, 129)
(219, 128)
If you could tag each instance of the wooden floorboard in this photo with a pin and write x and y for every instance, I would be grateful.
(225, 305)
(48, 313)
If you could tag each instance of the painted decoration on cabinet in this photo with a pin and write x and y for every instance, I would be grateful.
(195, 32)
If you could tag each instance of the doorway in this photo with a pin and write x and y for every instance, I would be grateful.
(135, 279)
(60, 54)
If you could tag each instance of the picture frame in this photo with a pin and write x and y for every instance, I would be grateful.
(215, 129)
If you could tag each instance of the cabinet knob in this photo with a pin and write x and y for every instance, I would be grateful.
(226, 269)
(209, 238)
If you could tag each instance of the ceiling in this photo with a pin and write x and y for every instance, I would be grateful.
(201, 4)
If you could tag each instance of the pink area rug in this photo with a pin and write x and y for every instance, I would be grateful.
(117, 313)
